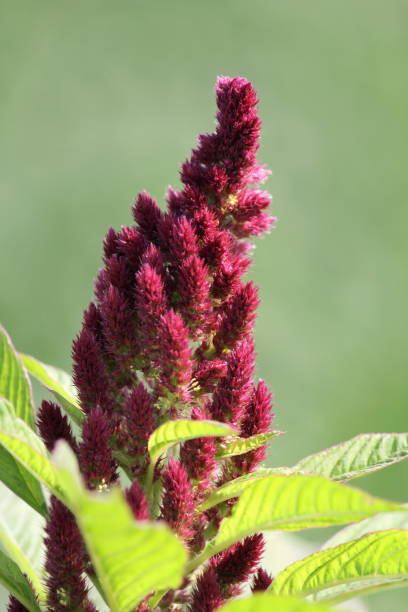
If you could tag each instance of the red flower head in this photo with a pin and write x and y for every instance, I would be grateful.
(54, 426)
(206, 595)
(232, 394)
(66, 562)
(178, 500)
(262, 580)
(147, 215)
(137, 501)
(95, 454)
(236, 564)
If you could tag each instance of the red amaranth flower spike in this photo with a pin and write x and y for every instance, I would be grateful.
(258, 414)
(178, 500)
(261, 581)
(209, 372)
(238, 319)
(185, 202)
(118, 321)
(232, 393)
(227, 277)
(131, 244)
(235, 565)
(138, 423)
(154, 258)
(193, 288)
(119, 274)
(93, 321)
(150, 298)
(140, 416)
(147, 215)
(110, 244)
(54, 426)
(250, 203)
(95, 455)
(198, 457)
(206, 595)
(90, 375)
(226, 159)
(173, 358)
(65, 563)
(177, 238)
(257, 419)
(137, 501)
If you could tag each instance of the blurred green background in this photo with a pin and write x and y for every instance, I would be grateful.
(100, 100)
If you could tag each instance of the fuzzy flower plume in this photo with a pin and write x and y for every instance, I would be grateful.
(206, 595)
(137, 501)
(257, 420)
(178, 501)
(53, 426)
(167, 336)
(235, 565)
(95, 455)
(262, 580)
(65, 562)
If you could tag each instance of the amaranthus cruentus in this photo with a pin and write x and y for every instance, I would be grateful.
(170, 335)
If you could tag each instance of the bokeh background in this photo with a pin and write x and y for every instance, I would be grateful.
(102, 99)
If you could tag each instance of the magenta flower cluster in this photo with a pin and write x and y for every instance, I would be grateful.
(170, 335)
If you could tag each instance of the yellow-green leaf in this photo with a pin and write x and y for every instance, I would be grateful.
(28, 450)
(291, 503)
(380, 522)
(14, 382)
(16, 477)
(239, 446)
(374, 562)
(175, 432)
(58, 382)
(264, 602)
(361, 455)
(234, 488)
(21, 536)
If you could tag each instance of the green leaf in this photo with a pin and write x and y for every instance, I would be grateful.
(58, 382)
(174, 432)
(298, 502)
(15, 582)
(16, 477)
(21, 536)
(240, 446)
(379, 522)
(14, 382)
(234, 488)
(264, 602)
(28, 450)
(291, 503)
(375, 561)
(131, 559)
(361, 455)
